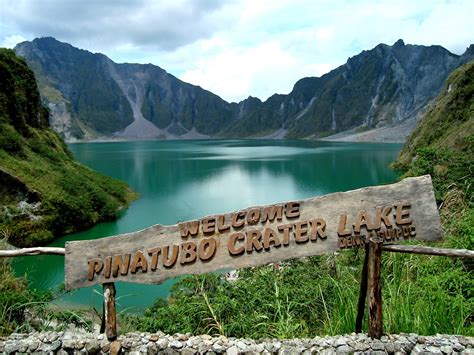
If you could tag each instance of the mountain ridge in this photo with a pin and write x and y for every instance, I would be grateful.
(91, 96)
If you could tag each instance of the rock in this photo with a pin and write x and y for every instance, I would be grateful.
(328, 351)
(22, 346)
(188, 351)
(175, 344)
(361, 346)
(218, 348)
(127, 343)
(202, 347)
(447, 349)
(11, 347)
(418, 349)
(232, 350)
(151, 348)
(79, 344)
(378, 345)
(344, 349)
(92, 346)
(68, 344)
(241, 345)
(183, 337)
(433, 350)
(115, 347)
(259, 348)
(162, 343)
(390, 347)
(32, 344)
(340, 342)
(458, 347)
(105, 346)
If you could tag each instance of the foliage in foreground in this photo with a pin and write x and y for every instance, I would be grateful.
(15, 299)
(319, 295)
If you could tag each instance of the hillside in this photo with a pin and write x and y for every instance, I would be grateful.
(90, 96)
(44, 193)
(443, 143)
(449, 123)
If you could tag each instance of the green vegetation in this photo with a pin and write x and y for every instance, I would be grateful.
(23, 309)
(44, 192)
(15, 298)
(318, 295)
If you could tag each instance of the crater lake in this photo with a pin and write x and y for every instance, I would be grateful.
(184, 180)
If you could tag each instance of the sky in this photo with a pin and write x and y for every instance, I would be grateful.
(238, 48)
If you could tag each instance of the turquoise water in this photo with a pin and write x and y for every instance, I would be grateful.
(182, 180)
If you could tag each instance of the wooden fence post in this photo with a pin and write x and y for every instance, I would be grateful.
(375, 288)
(362, 293)
(110, 314)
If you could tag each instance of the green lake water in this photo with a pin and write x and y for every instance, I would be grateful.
(183, 180)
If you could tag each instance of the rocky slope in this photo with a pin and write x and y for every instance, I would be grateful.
(449, 122)
(91, 96)
(43, 192)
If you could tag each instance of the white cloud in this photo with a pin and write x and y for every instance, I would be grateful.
(12, 41)
(238, 48)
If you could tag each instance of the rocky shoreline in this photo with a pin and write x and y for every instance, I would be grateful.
(82, 342)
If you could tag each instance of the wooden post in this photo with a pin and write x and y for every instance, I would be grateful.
(375, 288)
(362, 293)
(110, 315)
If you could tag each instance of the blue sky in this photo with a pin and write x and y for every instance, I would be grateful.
(238, 48)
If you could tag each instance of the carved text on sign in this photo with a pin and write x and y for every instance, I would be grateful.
(258, 235)
(390, 223)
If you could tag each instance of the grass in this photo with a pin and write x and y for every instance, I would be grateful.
(72, 196)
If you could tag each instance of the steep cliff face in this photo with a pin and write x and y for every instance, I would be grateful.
(449, 123)
(43, 192)
(103, 98)
(376, 88)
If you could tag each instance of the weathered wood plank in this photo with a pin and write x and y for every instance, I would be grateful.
(110, 314)
(258, 235)
(374, 270)
(419, 249)
(362, 293)
(32, 251)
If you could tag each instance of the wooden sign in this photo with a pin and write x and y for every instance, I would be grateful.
(258, 235)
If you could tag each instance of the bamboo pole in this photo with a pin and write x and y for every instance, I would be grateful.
(375, 288)
(110, 315)
(32, 251)
(362, 293)
(418, 249)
